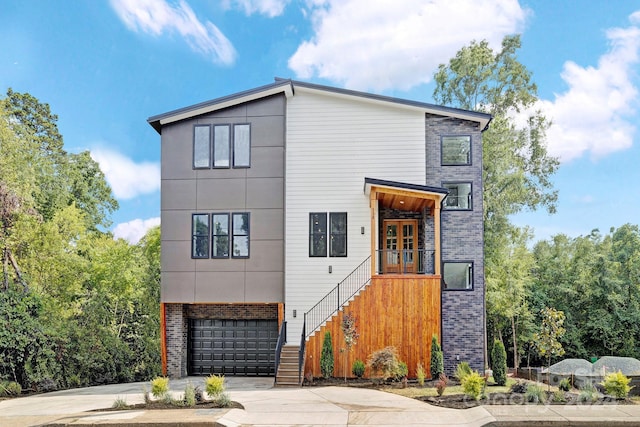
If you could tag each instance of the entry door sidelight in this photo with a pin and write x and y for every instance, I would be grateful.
(400, 246)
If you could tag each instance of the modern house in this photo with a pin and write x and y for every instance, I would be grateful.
(288, 205)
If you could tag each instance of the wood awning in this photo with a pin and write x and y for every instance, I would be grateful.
(403, 196)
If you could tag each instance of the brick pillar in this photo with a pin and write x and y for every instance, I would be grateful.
(176, 340)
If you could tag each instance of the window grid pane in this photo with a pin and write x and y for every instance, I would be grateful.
(241, 146)
(201, 146)
(220, 233)
(318, 234)
(221, 146)
(456, 150)
(200, 236)
(240, 237)
(338, 237)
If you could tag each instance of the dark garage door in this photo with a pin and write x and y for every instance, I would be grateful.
(232, 347)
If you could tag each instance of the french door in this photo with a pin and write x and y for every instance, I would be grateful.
(400, 246)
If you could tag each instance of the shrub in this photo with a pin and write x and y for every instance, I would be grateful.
(326, 357)
(588, 393)
(441, 385)
(420, 374)
(462, 370)
(160, 387)
(214, 385)
(223, 400)
(402, 371)
(565, 384)
(535, 393)
(384, 362)
(472, 385)
(120, 403)
(617, 385)
(558, 396)
(189, 395)
(499, 363)
(358, 368)
(10, 388)
(437, 358)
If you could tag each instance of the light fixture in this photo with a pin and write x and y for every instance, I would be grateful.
(295, 313)
(361, 230)
(330, 269)
(402, 202)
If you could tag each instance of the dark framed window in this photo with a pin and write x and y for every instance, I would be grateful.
(220, 235)
(221, 146)
(201, 146)
(242, 146)
(457, 275)
(338, 234)
(240, 235)
(456, 150)
(318, 234)
(459, 197)
(200, 235)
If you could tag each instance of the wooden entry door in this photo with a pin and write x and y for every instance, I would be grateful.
(400, 246)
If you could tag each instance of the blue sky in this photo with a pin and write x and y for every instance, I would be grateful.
(106, 66)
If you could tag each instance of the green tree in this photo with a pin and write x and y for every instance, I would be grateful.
(499, 363)
(326, 356)
(548, 339)
(437, 358)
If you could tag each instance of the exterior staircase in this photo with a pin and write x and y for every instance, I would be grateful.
(287, 375)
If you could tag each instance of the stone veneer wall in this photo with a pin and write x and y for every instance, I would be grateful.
(463, 312)
(177, 322)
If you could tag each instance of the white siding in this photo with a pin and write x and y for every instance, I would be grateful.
(332, 144)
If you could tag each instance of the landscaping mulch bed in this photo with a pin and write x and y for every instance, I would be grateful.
(460, 401)
(163, 405)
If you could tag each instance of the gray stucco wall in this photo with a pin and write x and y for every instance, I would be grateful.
(258, 190)
(462, 240)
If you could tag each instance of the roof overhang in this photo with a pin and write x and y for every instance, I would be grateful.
(404, 196)
(280, 86)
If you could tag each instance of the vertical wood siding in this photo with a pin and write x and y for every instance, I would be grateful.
(332, 145)
(394, 310)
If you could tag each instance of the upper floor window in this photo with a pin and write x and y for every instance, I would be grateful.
(228, 148)
(240, 235)
(334, 236)
(200, 236)
(220, 235)
(201, 146)
(457, 275)
(456, 150)
(459, 197)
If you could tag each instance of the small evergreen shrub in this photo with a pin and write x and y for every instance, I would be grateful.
(437, 358)
(499, 363)
(441, 385)
(326, 357)
(472, 385)
(558, 396)
(420, 374)
(384, 362)
(617, 385)
(160, 387)
(223, 400)
(214, 385)
(189, 395)
(402, 371)
(462, 370)
(358, 368)
(564, 384)
(588, 393)
(535, 393)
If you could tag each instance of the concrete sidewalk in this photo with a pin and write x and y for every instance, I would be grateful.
(309, 406)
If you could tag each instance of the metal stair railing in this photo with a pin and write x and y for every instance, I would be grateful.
(282, 340)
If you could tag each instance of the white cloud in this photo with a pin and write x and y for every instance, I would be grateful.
(270, 8)
(135, 230)
(389, 44)
(127, 178)
(596, 113)
(156, 17)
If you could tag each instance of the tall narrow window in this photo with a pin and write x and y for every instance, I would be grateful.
(200, 236)
(221, 146)
(240, 237)
(220, 235)
(318, 234)
(201, 146)
(459, 197)
(456, 150)
(338, 234)
(458, 275)
(241, 146)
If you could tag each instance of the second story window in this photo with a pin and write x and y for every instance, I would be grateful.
(200, 236)
(334, 236)
(318, 234)
(220, 235)
(459, 197)
(456, 150)
(240, 235)
(338, 234)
